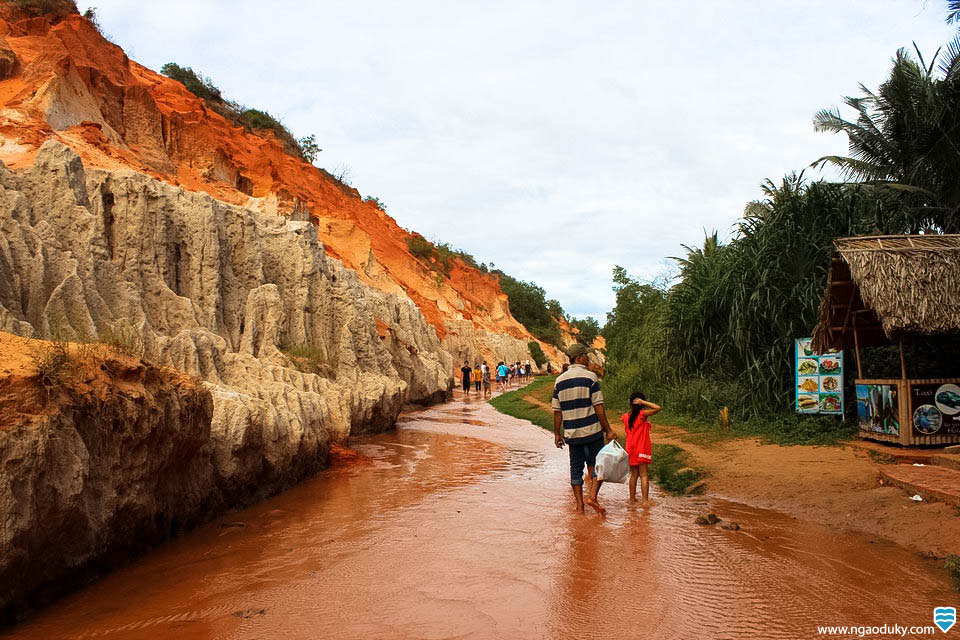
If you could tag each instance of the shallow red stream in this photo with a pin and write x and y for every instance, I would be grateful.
(464, 528)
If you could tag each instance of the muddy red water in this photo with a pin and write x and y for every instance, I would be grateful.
(463, 527)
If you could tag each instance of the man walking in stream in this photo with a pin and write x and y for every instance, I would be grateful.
(465, 372)
(579, 421)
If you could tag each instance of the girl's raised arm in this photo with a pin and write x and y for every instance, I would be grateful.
(651, 408)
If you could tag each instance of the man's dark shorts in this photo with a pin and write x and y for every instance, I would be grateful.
(585, 452)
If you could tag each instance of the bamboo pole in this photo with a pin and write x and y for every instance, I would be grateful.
(856, 348)
(903, 362)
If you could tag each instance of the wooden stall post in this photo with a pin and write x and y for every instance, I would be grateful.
(903, 362)
(856, 348)
(903, 400)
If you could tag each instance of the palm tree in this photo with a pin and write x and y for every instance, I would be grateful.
(906, 138)
(953, 11)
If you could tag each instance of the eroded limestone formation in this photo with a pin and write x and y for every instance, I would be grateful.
(216, 291)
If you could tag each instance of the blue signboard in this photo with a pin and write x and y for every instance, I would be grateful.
(819, 380)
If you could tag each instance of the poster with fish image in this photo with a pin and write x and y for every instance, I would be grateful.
(818, 380)
(935, 409)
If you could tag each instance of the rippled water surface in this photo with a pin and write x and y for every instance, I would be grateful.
(463, 527)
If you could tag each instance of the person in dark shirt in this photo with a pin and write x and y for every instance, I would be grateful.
(465, 372)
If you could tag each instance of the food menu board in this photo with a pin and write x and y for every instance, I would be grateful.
(935, 409)
(819, 380)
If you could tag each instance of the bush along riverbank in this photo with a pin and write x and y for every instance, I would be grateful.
(671, 468)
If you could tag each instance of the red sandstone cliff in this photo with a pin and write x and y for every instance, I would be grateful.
(60, 79)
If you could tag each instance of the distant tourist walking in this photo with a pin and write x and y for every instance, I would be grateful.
(579, 421)
(486, 380)
(638, 447)
(476, 377)
(465, 371)
(502, 371)
(528, 369)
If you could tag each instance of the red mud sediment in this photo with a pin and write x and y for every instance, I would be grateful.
(343, 457)
(468, 531)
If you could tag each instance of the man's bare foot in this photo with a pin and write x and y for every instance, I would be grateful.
(648, 503)
(596, 506)
(633, 499)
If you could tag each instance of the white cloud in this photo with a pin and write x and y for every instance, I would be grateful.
(555, 139)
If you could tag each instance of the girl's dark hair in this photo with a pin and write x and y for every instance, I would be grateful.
(635, 409)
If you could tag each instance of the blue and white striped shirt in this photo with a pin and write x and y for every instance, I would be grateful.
(575, 393)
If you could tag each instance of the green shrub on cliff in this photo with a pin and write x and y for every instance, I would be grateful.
(588, 329)
(377, 202)
(528, 305)
(58, 8)
(536, 352)
(254, 119)
(196, 83)
(420, 247)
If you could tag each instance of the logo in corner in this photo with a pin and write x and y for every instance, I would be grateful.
(945, 618)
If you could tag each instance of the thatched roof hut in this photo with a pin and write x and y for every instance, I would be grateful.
(881, 288)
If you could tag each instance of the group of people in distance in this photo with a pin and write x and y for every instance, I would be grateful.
(481, 376)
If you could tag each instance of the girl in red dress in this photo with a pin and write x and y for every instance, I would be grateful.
(638, 444)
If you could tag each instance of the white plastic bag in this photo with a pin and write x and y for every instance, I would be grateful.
(613, 464)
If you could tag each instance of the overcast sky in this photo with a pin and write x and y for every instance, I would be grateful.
(555, 139)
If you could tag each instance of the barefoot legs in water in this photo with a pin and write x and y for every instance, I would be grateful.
(640, 471)
(594, 488)
(578, 496)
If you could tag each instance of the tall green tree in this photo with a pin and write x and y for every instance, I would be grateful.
(905, 140)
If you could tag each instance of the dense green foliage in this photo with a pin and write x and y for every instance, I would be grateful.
(904, 140)
(528, 304)
(588, 329)
(204, 88)
(196, 83)
(420, 247)
(722, 334)
(536, 352)
(57, 8)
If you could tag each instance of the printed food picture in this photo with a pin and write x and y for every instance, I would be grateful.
(830, 383)
(829, 365)
(830, 403)
(806, 348)
(808, 402)
(809, 384)
(807, 367)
